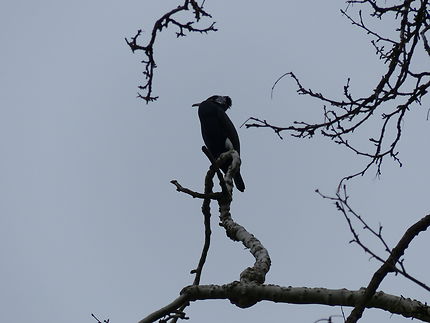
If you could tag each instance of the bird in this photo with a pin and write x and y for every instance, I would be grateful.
(218, 132)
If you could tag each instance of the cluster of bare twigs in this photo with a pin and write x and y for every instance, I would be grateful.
(160, 24)
(342, 204)
(391, 98)
(394, 263)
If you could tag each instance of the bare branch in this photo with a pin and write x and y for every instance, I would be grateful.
(237, 232)
(234, 231)
(160, 24)
(396, 92)
(295, 295)
(426, 43)
(388, 266)
(98, 321)
(181, 301)
(341, 202)
(329, 319)
(206, 210)
(180, 188)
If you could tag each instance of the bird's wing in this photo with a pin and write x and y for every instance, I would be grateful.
(229, 128)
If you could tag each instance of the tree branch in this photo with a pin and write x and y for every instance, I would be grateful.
(295, 295)
(255, 274)
(342, 204)
(159, 25)
(391, 98)
(388, 266)
(180, 188)
(206, 210)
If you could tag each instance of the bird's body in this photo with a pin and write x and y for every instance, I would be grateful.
(218, 132)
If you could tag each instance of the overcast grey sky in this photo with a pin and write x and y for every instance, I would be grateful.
(89, 222)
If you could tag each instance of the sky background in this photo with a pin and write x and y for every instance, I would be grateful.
(89, 222)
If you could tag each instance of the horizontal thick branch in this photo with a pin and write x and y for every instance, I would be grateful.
(295, 295)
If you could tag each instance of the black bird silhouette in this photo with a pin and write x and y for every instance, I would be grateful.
(219, 133)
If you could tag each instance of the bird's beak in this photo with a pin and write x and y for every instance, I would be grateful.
(195, 104)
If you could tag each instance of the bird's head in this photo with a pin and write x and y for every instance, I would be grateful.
(223, 101)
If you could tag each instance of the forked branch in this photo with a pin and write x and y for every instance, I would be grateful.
(255, 274)
(396, 92)
(388, 266)
(392, 264)
(163, 23)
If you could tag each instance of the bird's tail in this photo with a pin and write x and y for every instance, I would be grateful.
(238, 181)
